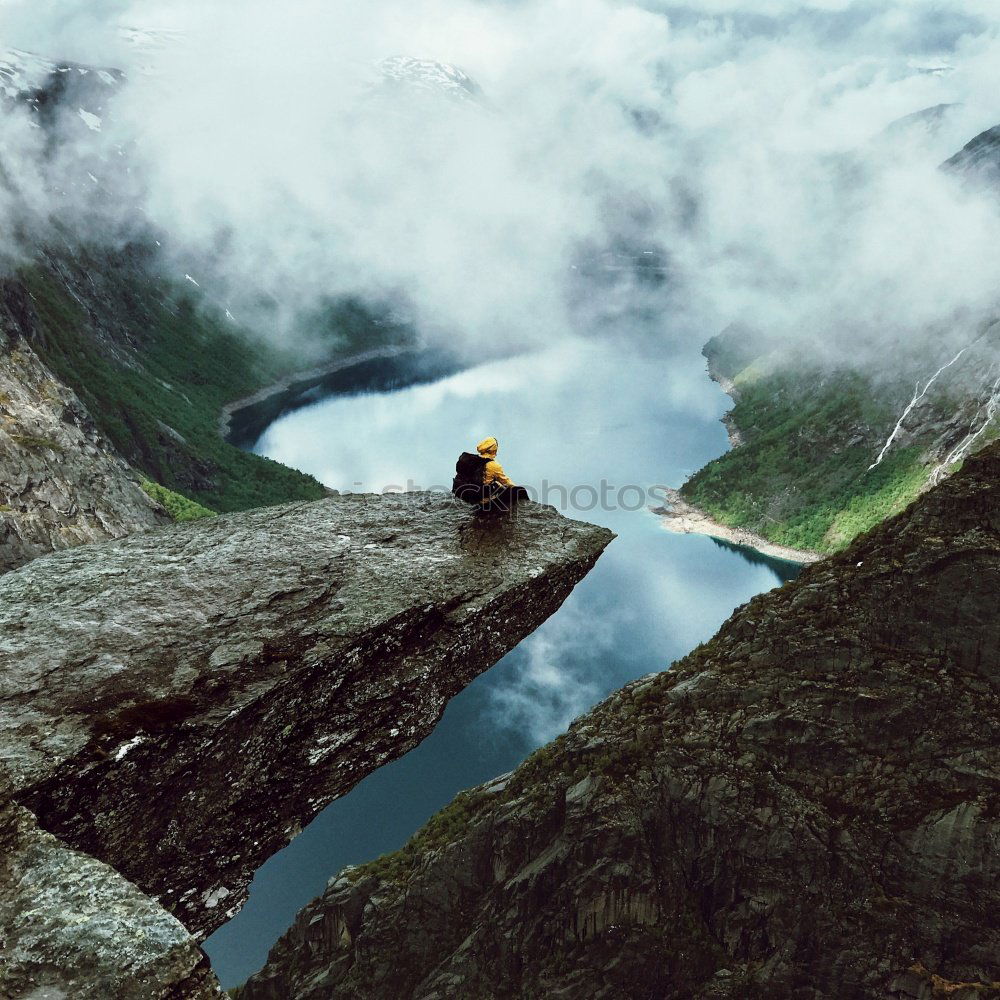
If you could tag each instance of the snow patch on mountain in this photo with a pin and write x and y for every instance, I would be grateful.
(93, 122)
(428, 75)
(22, 72)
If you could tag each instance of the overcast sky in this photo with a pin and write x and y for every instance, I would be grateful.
(740, 141)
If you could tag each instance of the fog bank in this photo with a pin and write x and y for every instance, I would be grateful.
(612, 168)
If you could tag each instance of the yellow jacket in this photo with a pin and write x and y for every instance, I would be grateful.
(493, 473)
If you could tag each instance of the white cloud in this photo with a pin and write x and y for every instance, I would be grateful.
(736, 137)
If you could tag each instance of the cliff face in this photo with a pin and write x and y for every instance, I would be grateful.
(153, 368)
(177, 704)
(72, 927)
(61, 482)
(807, 806)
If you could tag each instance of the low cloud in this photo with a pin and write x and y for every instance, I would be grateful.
(736, 145)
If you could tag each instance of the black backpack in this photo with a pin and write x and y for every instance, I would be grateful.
(469, 473)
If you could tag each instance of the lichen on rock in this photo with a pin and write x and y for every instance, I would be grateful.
(71, 928)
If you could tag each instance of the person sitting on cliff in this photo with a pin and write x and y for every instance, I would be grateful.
(481, 481)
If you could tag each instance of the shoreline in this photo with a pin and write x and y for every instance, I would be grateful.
(682, 518)
(302, 380)
(677, 515)
(296, 384)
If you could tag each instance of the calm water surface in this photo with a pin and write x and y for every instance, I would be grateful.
(568, 420)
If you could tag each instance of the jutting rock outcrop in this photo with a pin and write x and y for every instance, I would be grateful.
(807, 806)
(176, 705)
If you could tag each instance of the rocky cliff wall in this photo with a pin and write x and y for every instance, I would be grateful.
(71, 927)
(61, 481)
(808, 806)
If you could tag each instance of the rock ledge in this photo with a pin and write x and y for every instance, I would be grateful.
(176, 705)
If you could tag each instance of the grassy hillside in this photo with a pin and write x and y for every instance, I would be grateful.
(180, 508)
(802, 477)
(154, 371)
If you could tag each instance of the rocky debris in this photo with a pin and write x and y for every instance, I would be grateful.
(178, 704)
(61, 482)
(807, 806)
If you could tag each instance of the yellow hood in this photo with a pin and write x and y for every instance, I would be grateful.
(488, 448)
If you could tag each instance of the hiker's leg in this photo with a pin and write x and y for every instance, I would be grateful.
(484, 501)
(505, 500)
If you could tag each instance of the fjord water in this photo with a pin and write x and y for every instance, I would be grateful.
(573, 423)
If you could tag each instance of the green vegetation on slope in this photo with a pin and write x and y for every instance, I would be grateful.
(802, 477)
(159, 397)
(180, 508)
(444, 827)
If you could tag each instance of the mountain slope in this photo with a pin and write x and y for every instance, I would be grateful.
(151, 354)
(61, 481)
(807, 806)
(823, 453)
(826, 448)
(154, 370)
(979, 159)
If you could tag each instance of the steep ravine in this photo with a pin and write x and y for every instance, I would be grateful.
(179, 703)
(806, 806)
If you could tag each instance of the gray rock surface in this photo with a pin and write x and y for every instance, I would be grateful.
(178, 704)
(61, 482)
(807, 806)
(72, 928)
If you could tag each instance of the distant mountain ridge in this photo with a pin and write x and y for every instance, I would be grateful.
(979, 159)
(42, 85)
(429, 75)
